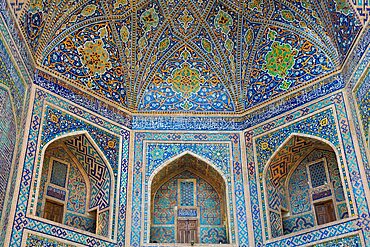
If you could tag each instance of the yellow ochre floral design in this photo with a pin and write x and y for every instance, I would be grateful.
(149, 19)
(35, 6)
(223, 21)
(89, 10)
(95, 57)
(186, 80)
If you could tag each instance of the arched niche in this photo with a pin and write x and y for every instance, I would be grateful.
(303, 186)
(75, 185)
(188, 203)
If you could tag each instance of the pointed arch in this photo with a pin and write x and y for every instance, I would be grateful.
(189, 166)
(100, 180)
(305, 152)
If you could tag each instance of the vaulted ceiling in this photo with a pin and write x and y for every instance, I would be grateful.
(197, 56)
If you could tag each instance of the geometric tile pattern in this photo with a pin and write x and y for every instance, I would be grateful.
(318, 174)
(99, 132)
(333, 169)
(103, 223)
(298, 223)
(363, 9)
(209, 203)
(75, 214)
(276, 224)
(77, 191)
(36, 241)
(142, 48)
(59, 122)
(298, 191)
(59, 174)
(58, 153)
(186, 193)
(353, 241)
(7, 142)
(95, 168)
(13, 71)
(185, 144)
(164, 200)
(362, 93)
(298, 188)
(80, 222)
(15, 77)
(213, 235)
(307, 119)
(162, 234)
(292, 151)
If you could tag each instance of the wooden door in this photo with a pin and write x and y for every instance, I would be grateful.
(325, 212)
(187, 231)
(53, 211)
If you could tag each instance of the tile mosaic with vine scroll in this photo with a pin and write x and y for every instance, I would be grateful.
(362, 93)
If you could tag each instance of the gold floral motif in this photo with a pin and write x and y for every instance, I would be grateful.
(95, 57)
(89, 10)
(186, 80)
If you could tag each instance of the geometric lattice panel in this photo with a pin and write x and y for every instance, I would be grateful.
(59, 174)
(186, 193)
(318, 174)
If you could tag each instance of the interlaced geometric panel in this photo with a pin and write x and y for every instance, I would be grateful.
(95, 168)
(285, 159)
(59, 174)
(363, 9)
(186, 193)
(318, 174)
(164, 201)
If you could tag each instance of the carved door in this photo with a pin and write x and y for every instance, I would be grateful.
(325, 212)
(53, 211)
(187, 231)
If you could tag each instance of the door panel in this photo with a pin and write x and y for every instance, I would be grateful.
(53, 211)
(187, 231)
(325, 212)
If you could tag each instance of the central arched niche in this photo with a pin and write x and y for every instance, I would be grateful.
(188, 203)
